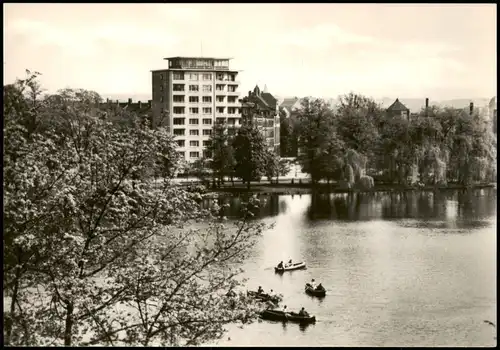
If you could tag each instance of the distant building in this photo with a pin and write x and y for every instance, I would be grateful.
(138, 107)
(261, 108)
(398, 109)
(194, 93)
(141, 109)
(289, 105)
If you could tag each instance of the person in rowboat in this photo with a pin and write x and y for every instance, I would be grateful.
(313, 284)
(303, 312)
(280, 265)
(319, 287)
(284, 309)
(290, 262)
(260, 290)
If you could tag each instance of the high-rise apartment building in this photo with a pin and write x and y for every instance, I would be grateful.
(193, 94)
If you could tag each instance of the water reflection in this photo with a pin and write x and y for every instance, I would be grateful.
(400, 269)
(466, 207)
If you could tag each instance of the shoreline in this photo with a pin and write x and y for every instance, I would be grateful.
(292, 189)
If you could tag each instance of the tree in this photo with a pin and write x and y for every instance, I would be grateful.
(250, 151)
(95, 251)
(199, 168)
(221, 149)
(286, 134)
(283, 169)
(271, 167)
(395, 150)
(357, 120)
(318, 140)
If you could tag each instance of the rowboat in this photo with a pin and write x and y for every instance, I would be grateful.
(274, 315)
(264, 297)
(296, 266)
(315, 292)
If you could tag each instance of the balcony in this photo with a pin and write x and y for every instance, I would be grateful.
(179, 103)
(233, 93)
(227, 81)
(179, 115)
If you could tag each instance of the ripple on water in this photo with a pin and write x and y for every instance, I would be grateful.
(422, 276)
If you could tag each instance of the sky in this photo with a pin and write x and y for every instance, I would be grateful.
(379, 50)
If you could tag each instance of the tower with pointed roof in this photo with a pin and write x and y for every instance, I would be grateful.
(397, 109)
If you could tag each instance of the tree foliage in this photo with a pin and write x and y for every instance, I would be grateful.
(250, 151)
(359, 138)
(321, 149)
(96, 249)
(220, 146)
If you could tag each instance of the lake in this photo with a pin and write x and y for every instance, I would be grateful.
(400, 269)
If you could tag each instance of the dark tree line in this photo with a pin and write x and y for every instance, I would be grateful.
(357, 141)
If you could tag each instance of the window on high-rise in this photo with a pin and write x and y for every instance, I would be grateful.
(179, 110)
(207, 99)
(207, 88)
(178, 121)
(193, 99)
(231, 99)
(179, 132)
(207, 110)
(220, 98)
(206, 143)
(194, 154)
(194, 110)
(232, 88)
(207, 76)
(219, 87)
(178, 75)
(194, 88)
(193, 121)
(193, 76)
(220, 109)
(207, 132)
(181, 143)
(207, 154)
(178, 98)
(207, 121)
(231, 110)
(194, 132)
(194, 143)
(178, 87)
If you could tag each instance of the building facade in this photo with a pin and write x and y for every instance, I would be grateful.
(261, 108)
(191, 96)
